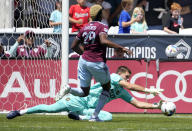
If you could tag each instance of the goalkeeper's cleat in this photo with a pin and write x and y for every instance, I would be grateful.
(95, 119)
(73, 116)
(65, 90)
(13, 114)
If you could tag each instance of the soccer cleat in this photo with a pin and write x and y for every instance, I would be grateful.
(73, 116)
(13, 114)
(65, 90)
(95, 119)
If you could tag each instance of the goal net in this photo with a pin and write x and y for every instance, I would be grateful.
(29, 74)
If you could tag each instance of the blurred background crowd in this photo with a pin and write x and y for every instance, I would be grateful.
(126, 16)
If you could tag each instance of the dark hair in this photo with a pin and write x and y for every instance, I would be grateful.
(99, 16)
(29, 34)
(123, 69)
(57, 1)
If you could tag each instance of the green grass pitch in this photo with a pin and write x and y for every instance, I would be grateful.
(120, 122)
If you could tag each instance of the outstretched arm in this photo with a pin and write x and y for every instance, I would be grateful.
(135, 87)
(104, 40)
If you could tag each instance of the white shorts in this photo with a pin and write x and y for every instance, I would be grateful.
(87, 70)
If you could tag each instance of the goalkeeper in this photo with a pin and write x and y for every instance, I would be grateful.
(81, 108)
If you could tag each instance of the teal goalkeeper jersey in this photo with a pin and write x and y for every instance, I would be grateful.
(75, 103)
(116, 91)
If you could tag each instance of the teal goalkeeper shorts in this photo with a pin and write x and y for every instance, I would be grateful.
(74, 103)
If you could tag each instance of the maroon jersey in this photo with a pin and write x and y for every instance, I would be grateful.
(94, 51)
(35, 52)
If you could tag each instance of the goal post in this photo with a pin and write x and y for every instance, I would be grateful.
(65, 41)
(29, 81)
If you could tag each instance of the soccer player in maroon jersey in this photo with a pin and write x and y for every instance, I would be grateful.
(91, 43)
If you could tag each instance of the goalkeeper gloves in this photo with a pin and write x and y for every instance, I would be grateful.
(153, 91)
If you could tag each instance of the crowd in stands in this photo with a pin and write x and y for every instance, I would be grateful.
(122, 16)
(127, 16)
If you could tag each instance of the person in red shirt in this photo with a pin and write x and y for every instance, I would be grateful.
(79, 15)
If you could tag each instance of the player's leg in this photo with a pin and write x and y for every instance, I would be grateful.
(87, 113)
(101, 74)
(85, 79)
(53, 108)
(146, 105)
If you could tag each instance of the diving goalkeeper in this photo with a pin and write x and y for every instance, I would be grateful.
(81, 108)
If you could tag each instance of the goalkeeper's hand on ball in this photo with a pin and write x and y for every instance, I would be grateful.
(153, 91)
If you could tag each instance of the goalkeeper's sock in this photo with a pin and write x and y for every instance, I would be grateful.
(102, 101)
(22, 112)
(76, 91)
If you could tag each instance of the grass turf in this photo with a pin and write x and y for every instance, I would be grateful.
(120, 122)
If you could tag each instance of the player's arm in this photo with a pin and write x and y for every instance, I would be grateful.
(166, 29)
(13, 49)
(132, 87)
(104, 40)
(128, 23)
(138, 88)
(52, 23)
(77, 47)
(72, 20)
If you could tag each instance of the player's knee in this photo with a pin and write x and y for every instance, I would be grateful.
(109, 117)
(106, 86)
(85, 91)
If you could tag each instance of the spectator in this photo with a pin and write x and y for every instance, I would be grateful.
(139, 27)
(106, 6)
(118, 54)
(186, 12)
(154, 10)
(79, 15)
(114, 12)
(28, 49)
(174, 21)
(55, 18)
(125, 20)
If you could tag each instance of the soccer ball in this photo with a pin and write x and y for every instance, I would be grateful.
(171, 51)
(168, 108)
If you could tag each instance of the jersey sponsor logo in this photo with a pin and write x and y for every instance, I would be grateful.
(35, 50)
(67, 99)
(22, 49)
(79, 15)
